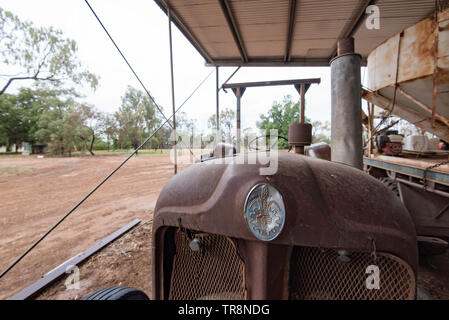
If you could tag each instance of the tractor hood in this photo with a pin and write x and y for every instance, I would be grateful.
(327, 205)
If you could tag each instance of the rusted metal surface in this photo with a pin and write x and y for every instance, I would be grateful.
(319, 201)
(299, 136)
(414, 163)
(345, 46)
(430, 246)
(424, 208)
(422, 56)
(319, 274)
(214, 272)
(404, 111)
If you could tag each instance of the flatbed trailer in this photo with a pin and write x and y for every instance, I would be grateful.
(421, 183)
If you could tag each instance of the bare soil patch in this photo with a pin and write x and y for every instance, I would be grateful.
(32, 200)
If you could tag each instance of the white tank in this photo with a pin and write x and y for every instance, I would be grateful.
(416, 143)
(433, 144)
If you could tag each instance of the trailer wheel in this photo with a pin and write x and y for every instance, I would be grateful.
(117, 293)
(390, 184)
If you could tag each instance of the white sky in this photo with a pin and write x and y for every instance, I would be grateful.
(140, 29)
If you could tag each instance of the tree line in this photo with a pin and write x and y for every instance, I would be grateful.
(55, 118)
(51, 112)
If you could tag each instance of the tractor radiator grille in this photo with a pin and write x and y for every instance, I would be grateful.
(214, 272)
(317, 274)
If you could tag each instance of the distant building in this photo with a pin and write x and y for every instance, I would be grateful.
(39, 148)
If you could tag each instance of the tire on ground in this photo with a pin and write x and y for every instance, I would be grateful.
(390, 184)
(117, 293)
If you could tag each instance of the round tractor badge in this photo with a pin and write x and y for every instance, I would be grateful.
(265, 212)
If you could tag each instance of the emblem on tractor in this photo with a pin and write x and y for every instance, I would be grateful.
(265, 212)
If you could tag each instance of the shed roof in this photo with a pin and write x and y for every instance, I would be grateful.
(287, 32)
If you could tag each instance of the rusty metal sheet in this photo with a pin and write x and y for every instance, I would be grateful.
(424, 207)
(416, 56)
(418, 118)
(418, 61)
(319, 199)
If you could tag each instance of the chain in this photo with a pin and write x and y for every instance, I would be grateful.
(430, 168)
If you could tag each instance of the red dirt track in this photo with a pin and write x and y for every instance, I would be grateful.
(35, 193)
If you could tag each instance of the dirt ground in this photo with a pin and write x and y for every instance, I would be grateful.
(125, 262)
(35, 193)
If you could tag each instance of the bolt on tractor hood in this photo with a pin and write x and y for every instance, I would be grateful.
(327, 205)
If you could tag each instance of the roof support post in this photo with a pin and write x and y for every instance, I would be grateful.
(238, 93)
(217, 98)
(303, 103)
(173, 93)
(346, 88)
(302, 89)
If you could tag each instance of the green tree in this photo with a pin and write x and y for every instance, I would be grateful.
(89, 126)
(154, 143)
(38, 53)
(20, 113)
(109, 128)
(56, 127)
(163, 137)
(321, 132)
(136, 117)
(13, 128)
(279, 117)
(227, 120)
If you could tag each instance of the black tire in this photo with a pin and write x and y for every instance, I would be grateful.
(117, 293)
(390, 184)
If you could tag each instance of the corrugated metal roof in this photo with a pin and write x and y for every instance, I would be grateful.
(256, 32)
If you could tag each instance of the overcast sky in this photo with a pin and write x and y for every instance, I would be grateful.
(140, 29)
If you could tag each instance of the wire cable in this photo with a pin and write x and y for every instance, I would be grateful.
(132, 69)
(79, 203)
(97, 186)
(167, 120)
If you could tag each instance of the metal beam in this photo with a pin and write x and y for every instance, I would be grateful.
(226, 9)
(291, 25)
(182, 26)
(298, 87)
(57, 272)
(279, 62)
(406, 113)
(425, 107)
(408, 170)
(271, 83)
